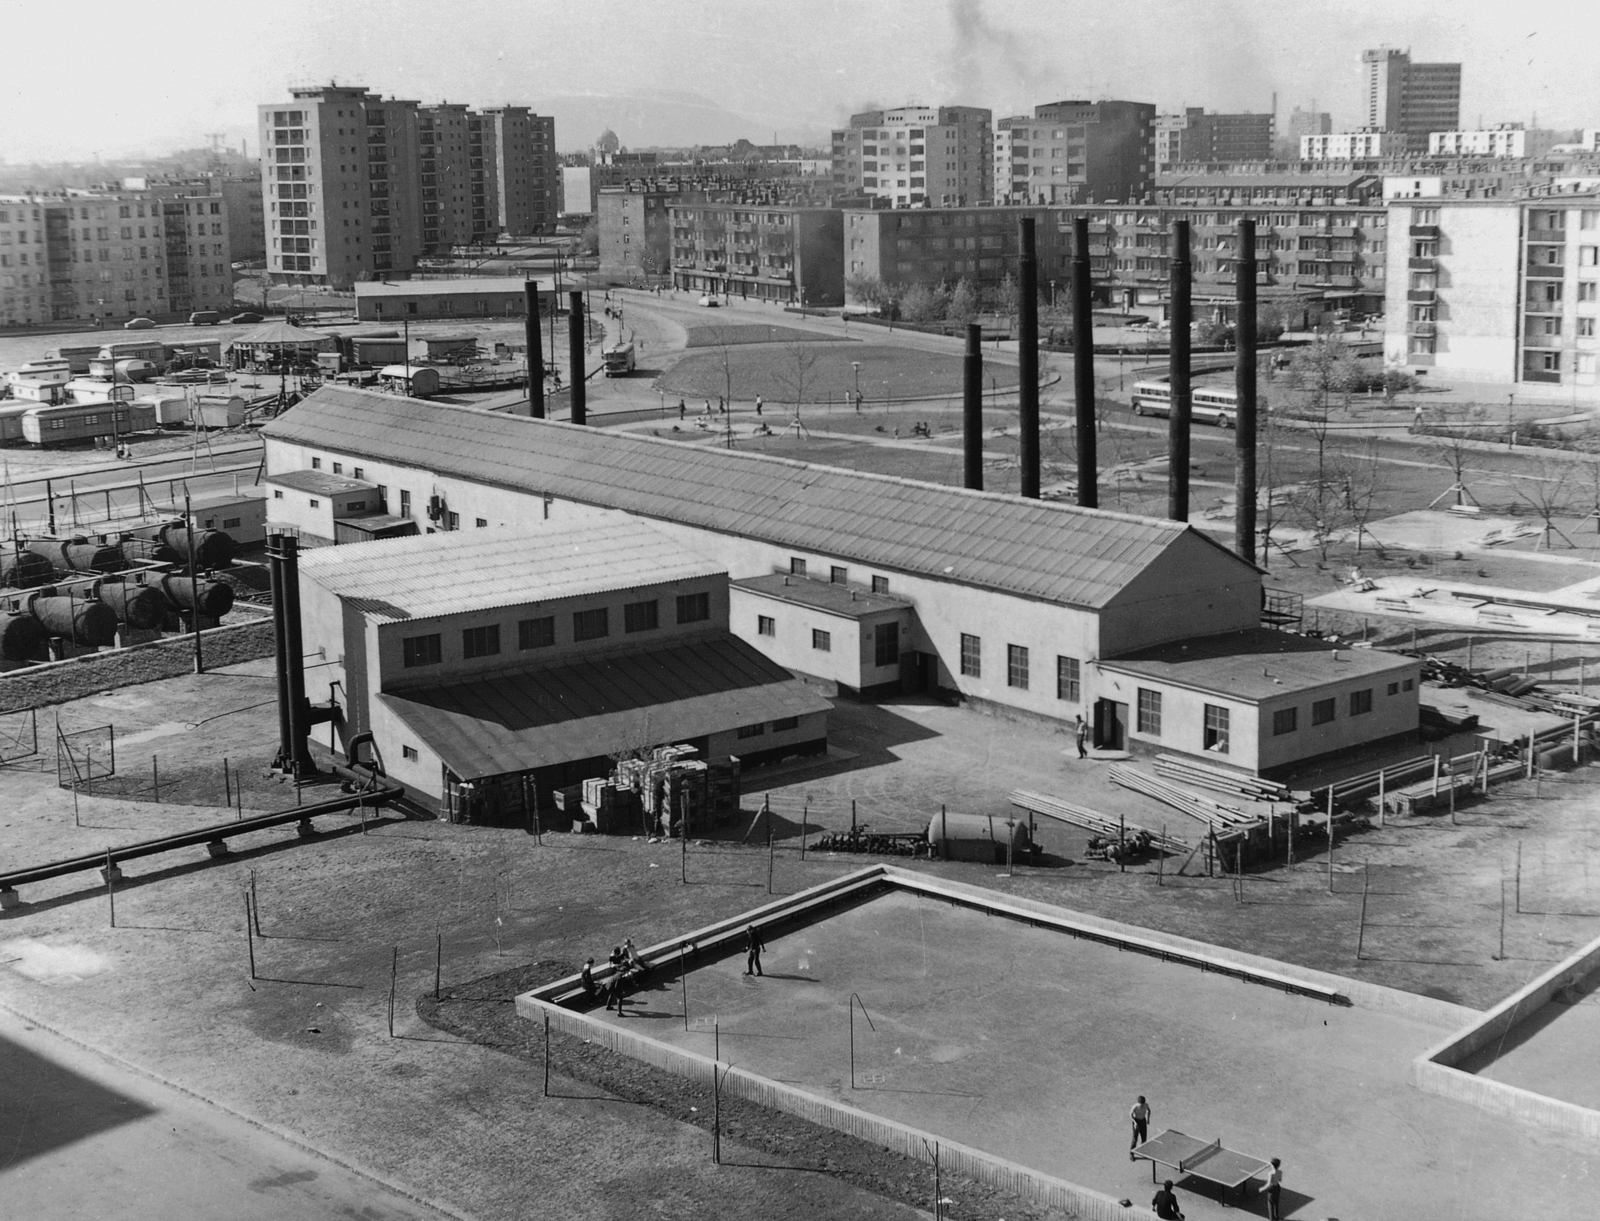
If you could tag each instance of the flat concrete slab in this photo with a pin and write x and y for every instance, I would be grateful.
(1032, 1045)
(1552, 1051)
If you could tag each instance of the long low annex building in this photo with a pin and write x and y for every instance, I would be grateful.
(1021, 605)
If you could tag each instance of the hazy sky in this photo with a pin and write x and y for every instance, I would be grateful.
(92, 76)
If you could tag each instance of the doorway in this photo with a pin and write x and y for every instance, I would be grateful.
(1110, 725)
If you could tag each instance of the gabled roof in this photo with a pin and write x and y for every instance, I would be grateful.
(1037, 549)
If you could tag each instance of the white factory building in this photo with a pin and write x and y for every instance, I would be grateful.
(1031, 607)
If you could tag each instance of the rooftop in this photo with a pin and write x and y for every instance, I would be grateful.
(456, 571)
(1032, 548)
(451, 288)
(1257, 664)
(835, 599)
(320, 483)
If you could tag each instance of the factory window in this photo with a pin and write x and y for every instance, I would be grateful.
(821, 641)
(1216, 730)
(1069, 686)
(886, 644)
(316, 464)
(1017, 666)
(880, 585)
(838, 575)
(694, 608)
(338, 468)
(405, 504)
(452, 521)
(421, 650)
(231, 523)
(1407, 684)
(481, 522)
(971, 656)
(752, 731)
(1150, 712)
(784, 723)
(1361, 702)
(1394, 689)
(641, 616)
(276, 494)
(1322, 711)
(355, 506)
(536, 633)
(358, 473)
(1285, 720)
(409, 753)
(797, 566)
(480, 641)
(591, 624)
(766, 625)
(316, 504)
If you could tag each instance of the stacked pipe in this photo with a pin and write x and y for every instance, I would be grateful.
(213, 599)
(139, 606)
(294, 713)
(1028, 362)
(1178, 376)
(85, 622)
(1083, 365)
(22, 637)
(972, 409)
(212, 548)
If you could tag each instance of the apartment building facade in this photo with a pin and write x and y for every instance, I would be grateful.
(769, 253)
(1075, 152)
(1351, 145)
(198, 249)
(943, 245)
(636, 232)
(1410, 99)
(916, 156)
(82, 256)
(1505, 140)
(1195, 135)
(528, 171)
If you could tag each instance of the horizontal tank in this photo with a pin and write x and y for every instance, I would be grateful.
(79, 620)
(24, 570)
(77, 554)
(139, 606)
(136, 549)
(23, 638)
(977, 837)
(212, 598)
(212, 548)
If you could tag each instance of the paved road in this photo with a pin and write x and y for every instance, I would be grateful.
(82, 1137)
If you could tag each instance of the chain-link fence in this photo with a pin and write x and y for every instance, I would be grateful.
(85, 755)
(19, 735)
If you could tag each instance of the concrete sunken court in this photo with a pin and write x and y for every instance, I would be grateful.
(1030, 1045)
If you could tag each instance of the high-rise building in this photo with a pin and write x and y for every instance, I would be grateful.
(528, 169)
(1197, 137)
(916, 156)
(1412, 99)
(1076, 152)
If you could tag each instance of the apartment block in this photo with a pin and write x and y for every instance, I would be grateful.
(1410, 99)
(944, 245)
(636, 232)
(460, 177)
(1075, 152)
(1351, 145)
(769, 253)
(1505, 140)
(916, 156)
(1194, 136)
(528, 171)
(82, 256)
(199, 268)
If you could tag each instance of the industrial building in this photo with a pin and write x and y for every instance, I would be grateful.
(1195, 136)
(496, 668)
(1014, 604)
(481, 297)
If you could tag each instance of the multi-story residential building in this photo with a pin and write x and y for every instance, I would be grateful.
(1411, 99)
(1293, 182)
(636, 231)
(1075, 152)
(1311, 122)
(527, 169)
(199, 268)
(1351, 145)
(770, 253)
(460, 192)
(82, 256)
(241, 204)
(916, 156)
(1195, 135)
(1504, 140)
(1503, 291)
(944, 245)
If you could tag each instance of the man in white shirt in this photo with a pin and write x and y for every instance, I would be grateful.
(1274, 1190)
(1140, 1116)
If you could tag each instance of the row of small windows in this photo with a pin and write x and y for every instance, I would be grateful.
(539, 633)
(1287, 720)
(1069, 670)
(837, 575)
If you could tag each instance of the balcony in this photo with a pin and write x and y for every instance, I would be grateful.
(1545, 271)
(1425, 264)
(1422, 295)
(1424, 230)
(1422, 328)
(1542, 342)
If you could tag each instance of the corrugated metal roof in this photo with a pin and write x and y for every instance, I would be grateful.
(514, 722)
(462, 570)
(1039, 549)
(462, 287)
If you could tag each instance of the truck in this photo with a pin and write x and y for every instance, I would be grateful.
(619, 359)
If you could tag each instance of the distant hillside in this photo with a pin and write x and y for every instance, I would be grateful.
(646, 120)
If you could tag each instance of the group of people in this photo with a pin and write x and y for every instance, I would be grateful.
(1165, 1201)
(627, 968)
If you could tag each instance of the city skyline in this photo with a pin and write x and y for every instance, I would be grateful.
(1006, 55)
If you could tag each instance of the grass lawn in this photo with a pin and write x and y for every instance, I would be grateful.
(784, 372)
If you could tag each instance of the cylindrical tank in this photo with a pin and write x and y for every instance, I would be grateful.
(212, 548)
(78, 619)
(22, 638)
(977, 837)
(215, 598)
(135, 550)
(25, 569)
(133, 370)
(77, 554)
(139, 606)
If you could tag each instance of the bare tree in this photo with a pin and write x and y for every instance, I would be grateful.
(794, 370)
(1548, 492)
(1452, 453)
(1326, 367)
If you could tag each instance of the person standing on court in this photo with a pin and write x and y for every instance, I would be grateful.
(1274, 1191)
(1165, 1203)
(753, 948)
(1140, 1116)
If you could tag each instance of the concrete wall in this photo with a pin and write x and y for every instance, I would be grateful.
(1194, 589)
(312, 515)
(1390, 715)
(852, 658)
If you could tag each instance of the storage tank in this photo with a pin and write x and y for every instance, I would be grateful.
(138, 550)
(214, 597)
(77, 554)
(23, 638)
(212, 548)
(25, 569)
(139, 606)
(978, 837)
(77, 619)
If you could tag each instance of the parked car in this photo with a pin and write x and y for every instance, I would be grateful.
(205, 317)
(247, 316)
(710, 302)
(139, 324)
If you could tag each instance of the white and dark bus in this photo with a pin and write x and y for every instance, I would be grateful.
(1208, 404)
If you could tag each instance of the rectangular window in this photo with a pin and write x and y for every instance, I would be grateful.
(482, 522)
(838, 575)
(409, 753)
(971, 656)
(480, 641)
(276, 494)
(766, 625)
(338, 468)
(641, 616)
(1149, 712)
(1216, 730)
(1408, 684)
(797, 566)
(421, 650)
(1069, 685)
(880, 585)
(1360, 702)
(886, 644)
(1394, 689)
(315, 503)
(752, 731)
(536, 633)
(821, 641)
(1285, 720)
(405, 504)
(1017, 666)
(694, 608)
(1322, 711)
(591, 624)
(316, 464)
(785, 723)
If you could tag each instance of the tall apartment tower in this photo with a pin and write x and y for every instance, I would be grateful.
(340, 184)
(459, 177)
(1412, 99)
(1077, 152)
(529, 170)
(917, 156)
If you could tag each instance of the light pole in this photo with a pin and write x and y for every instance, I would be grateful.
(855, 365)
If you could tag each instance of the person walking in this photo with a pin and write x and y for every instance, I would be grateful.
(619, 967)
(753, 947)
(681, 409)
(1274, 1191)
(1081, 732)
(1165, 1203)
(1416, 419)
(758, 404)
(1140, 1116)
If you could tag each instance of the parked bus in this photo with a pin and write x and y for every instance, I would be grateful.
(1208, 404)
(619, 360)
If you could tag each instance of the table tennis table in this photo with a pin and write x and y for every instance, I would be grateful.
(1201, 1159)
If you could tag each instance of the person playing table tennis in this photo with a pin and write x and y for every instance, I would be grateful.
(1165, 1203)
(1274, 1190)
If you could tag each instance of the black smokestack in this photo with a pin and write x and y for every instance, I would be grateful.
(972, 409)
(535, 353)
(1178, 377)
(292, 707)
(580, 413)
(280, 652)
(1028, 362)
(1083, 365)
(1244, 382)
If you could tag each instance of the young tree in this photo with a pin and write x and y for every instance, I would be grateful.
(589, 238)
(1008, 299)
(963, 304)
(1326, 367)
(1397, 381)
(872, 292)
(1452, 453)
(795, 369)
(1548, 492)
(923, 303)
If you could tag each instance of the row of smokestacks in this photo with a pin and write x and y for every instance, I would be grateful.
(578, 386)
(1179, 372)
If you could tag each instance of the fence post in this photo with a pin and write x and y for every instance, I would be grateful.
(227, 784)
(111, 889)
(394, 975)
(249, 935)
(438, 962)
(155, 778)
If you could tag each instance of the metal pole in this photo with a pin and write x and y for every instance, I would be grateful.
(1178, 375)
(547, 1055)
(971, 409)
(805, 816)
(683, 979)
(394, 974)
(575, 358)
(769, 849)
(683, 834)
(852, 816)
(1502, 953)
(1244, 384)
(155, 778)
(255, 904)
(1330, 838)
(194, 585)
(227, 783)
(249, 935)
(1122, 843)
(1161, 857)
(1361, 929)
(1028, 361)
(852, 1008)
(716, 1114)
(438, 962)
(111, 894)
(1083, 364)
(1382, 776)
(1519, 876)
(535, 353)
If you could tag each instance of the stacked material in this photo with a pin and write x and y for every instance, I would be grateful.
(1396, 775)
(1225, 819)
(1219, 780)
(1092, 820)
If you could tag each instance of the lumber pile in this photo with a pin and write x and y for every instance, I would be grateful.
(1092, 820)
(1194, 774)
(1223, 818)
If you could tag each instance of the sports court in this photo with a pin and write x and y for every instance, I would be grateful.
(1032, 1045)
